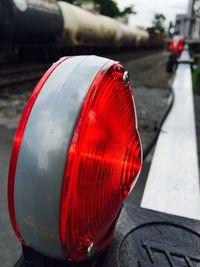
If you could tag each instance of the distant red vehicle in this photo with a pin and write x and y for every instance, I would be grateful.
(175, 48)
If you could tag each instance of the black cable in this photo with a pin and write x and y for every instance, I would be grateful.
(159, 125)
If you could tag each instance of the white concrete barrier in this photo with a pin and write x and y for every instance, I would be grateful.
(173, 181)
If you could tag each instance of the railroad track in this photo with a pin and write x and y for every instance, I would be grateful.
(14, 76)
(22, 69)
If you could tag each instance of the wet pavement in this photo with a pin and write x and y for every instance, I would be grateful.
(9, 246)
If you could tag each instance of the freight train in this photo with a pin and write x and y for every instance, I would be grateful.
(47, 27)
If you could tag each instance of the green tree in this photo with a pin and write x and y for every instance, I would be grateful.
(110, 8)
(128, 11)
(158, 23)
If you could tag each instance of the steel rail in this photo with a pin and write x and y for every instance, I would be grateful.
(26, 69)
(18, 81)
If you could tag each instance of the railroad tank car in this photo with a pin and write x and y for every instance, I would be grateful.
(156, 39)
(125, 36)
(44, 28)
(31, 21)
(142, 36)
(1, 22)
(82, 27)
(108, 27)
(97, 29)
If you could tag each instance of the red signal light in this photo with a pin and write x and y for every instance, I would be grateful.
(104, 160)
(171, 47)
(180, 46)
(100, 162)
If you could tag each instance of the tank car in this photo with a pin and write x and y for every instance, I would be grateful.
(142, 36)
(30, 22)
(84, 28)
(125, 36)
(41, 19)
(156, 39)
(50, 27)
(1, 22)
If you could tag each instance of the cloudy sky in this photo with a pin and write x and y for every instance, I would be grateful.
(147, 8)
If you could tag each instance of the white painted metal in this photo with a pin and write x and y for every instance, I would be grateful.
(173, 182)
(43, 151)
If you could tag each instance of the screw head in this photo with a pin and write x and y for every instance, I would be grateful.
(126, 77)
(91, 250)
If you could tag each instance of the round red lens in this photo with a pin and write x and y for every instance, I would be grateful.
(171, 47)
(103, 161)
(180, 46)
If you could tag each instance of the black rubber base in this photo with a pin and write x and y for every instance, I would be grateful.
(147, 238)
(143, 238)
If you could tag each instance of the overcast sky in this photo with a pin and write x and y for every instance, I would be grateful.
(147, 8)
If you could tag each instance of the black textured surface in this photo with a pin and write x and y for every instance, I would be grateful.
(143, 238)
(147, 238)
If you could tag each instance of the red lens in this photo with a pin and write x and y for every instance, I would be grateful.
(171, 47)
(103, 161)
(180, 46)
(17, 143)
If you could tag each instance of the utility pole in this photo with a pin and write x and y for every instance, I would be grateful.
(189, 15)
